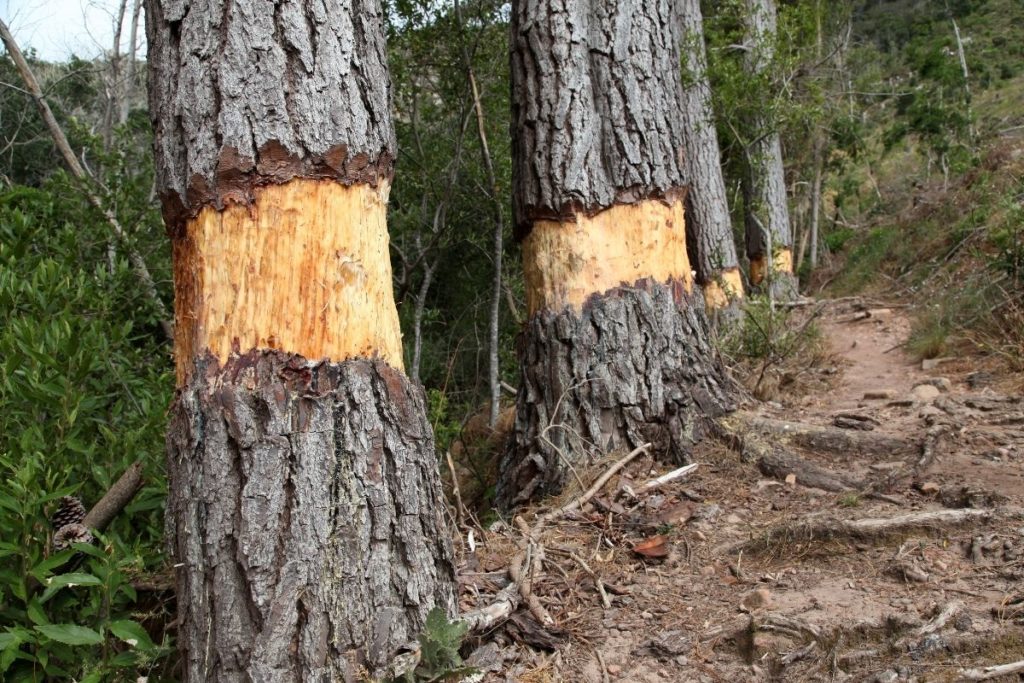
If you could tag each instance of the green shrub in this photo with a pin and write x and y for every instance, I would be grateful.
(85, 379)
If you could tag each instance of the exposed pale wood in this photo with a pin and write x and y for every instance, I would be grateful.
(723, 289)
(305, 269)
(782, 263)
(564, 263)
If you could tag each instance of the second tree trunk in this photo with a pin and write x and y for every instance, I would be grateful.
(616, 351)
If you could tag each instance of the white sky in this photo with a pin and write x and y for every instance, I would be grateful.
(59, 28)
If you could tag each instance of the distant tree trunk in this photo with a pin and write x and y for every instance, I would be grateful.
(766, 212)
(815, 224)
(304, 503)
(129, 76)
(709, 227)
(616, 350)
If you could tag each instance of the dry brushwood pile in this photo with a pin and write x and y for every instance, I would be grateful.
(869, 530)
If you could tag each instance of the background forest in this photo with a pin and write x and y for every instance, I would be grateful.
(908, 160)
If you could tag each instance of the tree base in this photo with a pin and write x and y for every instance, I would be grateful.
(304, 515)
(635, 365)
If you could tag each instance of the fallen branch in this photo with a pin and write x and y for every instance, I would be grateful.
(148, 286)
(114, 500)
(605, 600)
(990, 672)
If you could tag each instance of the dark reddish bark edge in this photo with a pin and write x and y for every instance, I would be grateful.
(568, 212)
(238, 177)
(304, 518)
(635, 365)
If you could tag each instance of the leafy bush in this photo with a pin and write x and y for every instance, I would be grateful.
(84, 383)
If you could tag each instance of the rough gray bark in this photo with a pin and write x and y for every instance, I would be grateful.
(304, 513)
(596, 106)
(248, 92)
(708, 225)
(766, 208)
(635, 366)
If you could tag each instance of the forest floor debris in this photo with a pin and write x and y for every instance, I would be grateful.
(795, 558)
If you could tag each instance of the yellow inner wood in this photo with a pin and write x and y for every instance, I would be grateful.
(305, 269)
(724, 289)
(783, 263)
(564, 262)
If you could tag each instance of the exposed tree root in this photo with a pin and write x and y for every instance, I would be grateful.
(831, 528)
(990, 672)
(748, 427)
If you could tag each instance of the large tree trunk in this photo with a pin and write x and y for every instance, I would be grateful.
(766, 209)
(304, 508)
(615, 352)
(709, 227)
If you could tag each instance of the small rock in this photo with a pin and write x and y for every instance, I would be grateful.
(902, 403)
(929, 488)
(880, 395)
(976, 380)
(940, 383)
(755, 600)
(889, 676)
(791, 479)
(614, 669)
(733, 519)
(925, 392)
(932, 363)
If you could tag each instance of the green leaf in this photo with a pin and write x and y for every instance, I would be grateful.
(71, 634)
(44, 568)
(9, 640)
(35, 612)
(68, 580)
(132, 633)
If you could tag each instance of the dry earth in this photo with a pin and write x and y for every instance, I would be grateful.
(762, 580)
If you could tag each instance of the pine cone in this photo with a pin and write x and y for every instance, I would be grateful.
(71, 533)
(71, 511)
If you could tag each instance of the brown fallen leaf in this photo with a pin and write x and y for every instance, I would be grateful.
(655, 546)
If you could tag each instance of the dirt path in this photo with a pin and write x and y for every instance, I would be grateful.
(752, 588)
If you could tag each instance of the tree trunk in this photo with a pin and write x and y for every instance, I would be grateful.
(709, 227)
(769, 239)
(616, 351)
(304, 507)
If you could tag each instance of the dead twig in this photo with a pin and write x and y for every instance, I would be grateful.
(526, 565)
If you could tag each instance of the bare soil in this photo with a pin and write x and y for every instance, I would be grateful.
(750, 588)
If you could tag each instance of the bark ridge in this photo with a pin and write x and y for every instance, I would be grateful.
(248, 92)
(304, 513)
(595, 105)
(634, 366)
